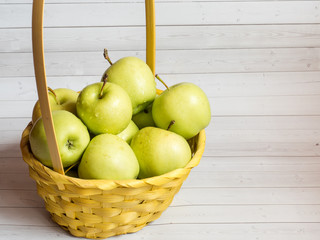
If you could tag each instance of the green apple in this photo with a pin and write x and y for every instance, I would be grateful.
(71, 134)
(135, 76)
(144, 118)
(129, 132)
(108, 157)
(159, 151)
(187, 105)
(104, 108)
(59, 99)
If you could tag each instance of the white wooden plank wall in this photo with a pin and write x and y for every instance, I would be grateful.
(259, 63)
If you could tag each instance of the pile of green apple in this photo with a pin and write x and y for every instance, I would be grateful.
(119, 127)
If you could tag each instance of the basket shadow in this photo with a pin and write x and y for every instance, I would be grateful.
(20, 204)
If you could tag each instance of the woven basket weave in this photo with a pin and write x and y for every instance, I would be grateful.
(104, 208)
(98, 208)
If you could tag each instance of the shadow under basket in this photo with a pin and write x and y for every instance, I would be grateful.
(105, 208)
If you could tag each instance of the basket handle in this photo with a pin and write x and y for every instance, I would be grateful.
(40, 71)
(150, 35)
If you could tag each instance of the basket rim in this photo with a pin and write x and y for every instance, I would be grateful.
(105, 184)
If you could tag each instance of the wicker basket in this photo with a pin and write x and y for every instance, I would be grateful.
(98, 208)
(104, 208)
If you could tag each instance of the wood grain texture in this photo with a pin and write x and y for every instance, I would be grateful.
(124, 1)
(168, 37)
(194, 13)
(275, 231)
(258, 62)
(203, 61)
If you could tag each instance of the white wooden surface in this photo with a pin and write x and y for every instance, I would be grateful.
(259, 63)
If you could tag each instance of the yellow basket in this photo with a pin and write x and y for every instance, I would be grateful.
(98, 208)
(104, 208)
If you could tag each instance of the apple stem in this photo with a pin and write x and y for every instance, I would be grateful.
(72, 166)
(170, 124)
(105, 77)
(157, 76)
(106, 56)
(54, 94)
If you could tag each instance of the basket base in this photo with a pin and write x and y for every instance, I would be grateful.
(101, 231)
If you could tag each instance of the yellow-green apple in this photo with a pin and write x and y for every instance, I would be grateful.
(59, 99)
(104, 108)
(128, 133)
(108, 157)
(144, 118)
(159, 151)
(71, 134)
(187, 105)
(135, 76)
